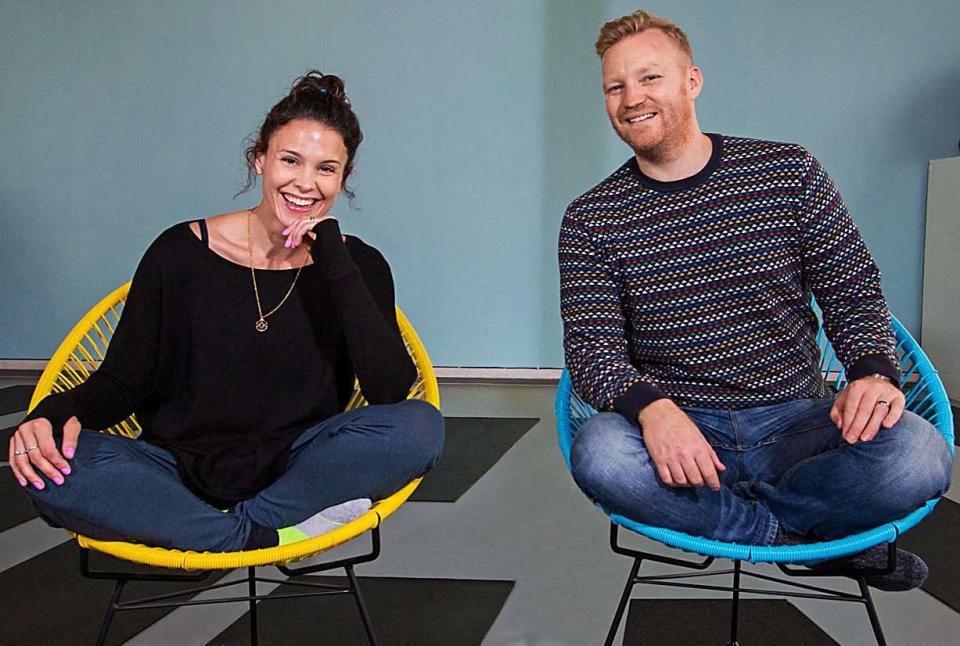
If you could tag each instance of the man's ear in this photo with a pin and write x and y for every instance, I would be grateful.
(694, 81)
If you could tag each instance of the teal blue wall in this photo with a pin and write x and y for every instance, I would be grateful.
(482, 120)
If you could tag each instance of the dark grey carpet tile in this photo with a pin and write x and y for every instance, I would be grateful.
(46, 600)
(14, 398)
(404, 612)
(15, 506)
(690, 622)
(473, 445)
(5, 434)
(935, 539)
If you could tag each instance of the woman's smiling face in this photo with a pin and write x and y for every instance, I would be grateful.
(302, 169)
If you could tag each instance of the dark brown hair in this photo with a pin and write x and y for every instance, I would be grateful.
(316, 96)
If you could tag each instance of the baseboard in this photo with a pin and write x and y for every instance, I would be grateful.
(32, 368)
(475, 375)
(22, 368)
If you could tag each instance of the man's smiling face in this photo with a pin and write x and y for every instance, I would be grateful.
(649, 85)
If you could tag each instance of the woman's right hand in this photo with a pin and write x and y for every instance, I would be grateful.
(32, 449)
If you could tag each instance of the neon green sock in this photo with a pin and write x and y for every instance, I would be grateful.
(290, 535)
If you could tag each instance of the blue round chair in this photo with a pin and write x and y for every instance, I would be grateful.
(925, 396)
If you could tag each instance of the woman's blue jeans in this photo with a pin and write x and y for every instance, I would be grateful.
(786, 464)
(122, 489)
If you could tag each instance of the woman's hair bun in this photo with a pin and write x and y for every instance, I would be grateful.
(316, 82)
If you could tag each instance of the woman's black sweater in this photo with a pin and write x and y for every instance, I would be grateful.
(226, 400)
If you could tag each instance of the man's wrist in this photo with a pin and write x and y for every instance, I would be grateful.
(655, 408)
(878, 377)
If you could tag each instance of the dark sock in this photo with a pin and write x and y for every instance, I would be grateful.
(910, 571)
(261, 537)
(784, 537)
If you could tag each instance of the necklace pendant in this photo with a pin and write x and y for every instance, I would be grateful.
(261, 325)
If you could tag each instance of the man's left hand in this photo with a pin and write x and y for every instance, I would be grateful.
(864, 406)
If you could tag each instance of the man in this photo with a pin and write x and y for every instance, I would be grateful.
(686, 280)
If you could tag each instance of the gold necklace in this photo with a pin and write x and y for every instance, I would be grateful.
(261, 323)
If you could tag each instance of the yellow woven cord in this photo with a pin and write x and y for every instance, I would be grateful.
(81, 353)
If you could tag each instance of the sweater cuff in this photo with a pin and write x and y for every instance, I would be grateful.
(329, 251)
(55, 410)
(636, 398)
(874, 364)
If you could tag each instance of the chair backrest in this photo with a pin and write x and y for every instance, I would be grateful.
(920, 382)
(85, 346)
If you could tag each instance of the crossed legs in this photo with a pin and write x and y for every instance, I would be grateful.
(786, 464)
(129, 490)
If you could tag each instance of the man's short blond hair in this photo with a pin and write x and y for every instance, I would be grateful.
(638, 22)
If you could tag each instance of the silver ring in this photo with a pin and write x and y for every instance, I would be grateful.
(882, 402)
(19, 452)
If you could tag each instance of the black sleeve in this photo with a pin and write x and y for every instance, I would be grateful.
(365, 306)
(120, 384)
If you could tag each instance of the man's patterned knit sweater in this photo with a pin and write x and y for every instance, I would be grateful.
(700, 290)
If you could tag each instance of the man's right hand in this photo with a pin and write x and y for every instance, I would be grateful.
(677, 447)
(32, 448)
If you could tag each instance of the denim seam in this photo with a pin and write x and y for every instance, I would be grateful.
(799, 465)
(767, 536)
(784, 436)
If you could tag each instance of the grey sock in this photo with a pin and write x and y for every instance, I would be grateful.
(333, 517)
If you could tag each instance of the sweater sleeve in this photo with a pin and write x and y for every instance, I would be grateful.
(838, 268)
(595, 343)
(122, 381)
(365, 306)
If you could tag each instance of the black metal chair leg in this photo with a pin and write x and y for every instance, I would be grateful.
(872, 612)
(252, 587)
(735, 609)
(111, 607)
(624, 598)
(364, 615)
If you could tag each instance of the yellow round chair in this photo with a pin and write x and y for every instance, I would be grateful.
(79, 355)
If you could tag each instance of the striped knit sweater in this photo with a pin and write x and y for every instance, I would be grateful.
(700, 290)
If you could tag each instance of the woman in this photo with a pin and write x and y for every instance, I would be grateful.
(238, 348)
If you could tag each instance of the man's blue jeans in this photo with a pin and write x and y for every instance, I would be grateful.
(123, 489)
(787, 464)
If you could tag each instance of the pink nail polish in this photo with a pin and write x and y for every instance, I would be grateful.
(38, 484)
(65, 471)
(68, 452)
(23, 483)
(58, 480)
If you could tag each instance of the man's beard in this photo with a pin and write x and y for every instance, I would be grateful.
(672, 139)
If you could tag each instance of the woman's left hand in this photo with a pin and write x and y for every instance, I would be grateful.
(296, 231)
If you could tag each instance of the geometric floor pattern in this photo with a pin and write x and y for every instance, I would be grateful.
(682, 622)
(516, 557)
(404, 611)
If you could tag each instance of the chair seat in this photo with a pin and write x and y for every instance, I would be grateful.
(79, 355)
(763, 553)
(925, 396)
